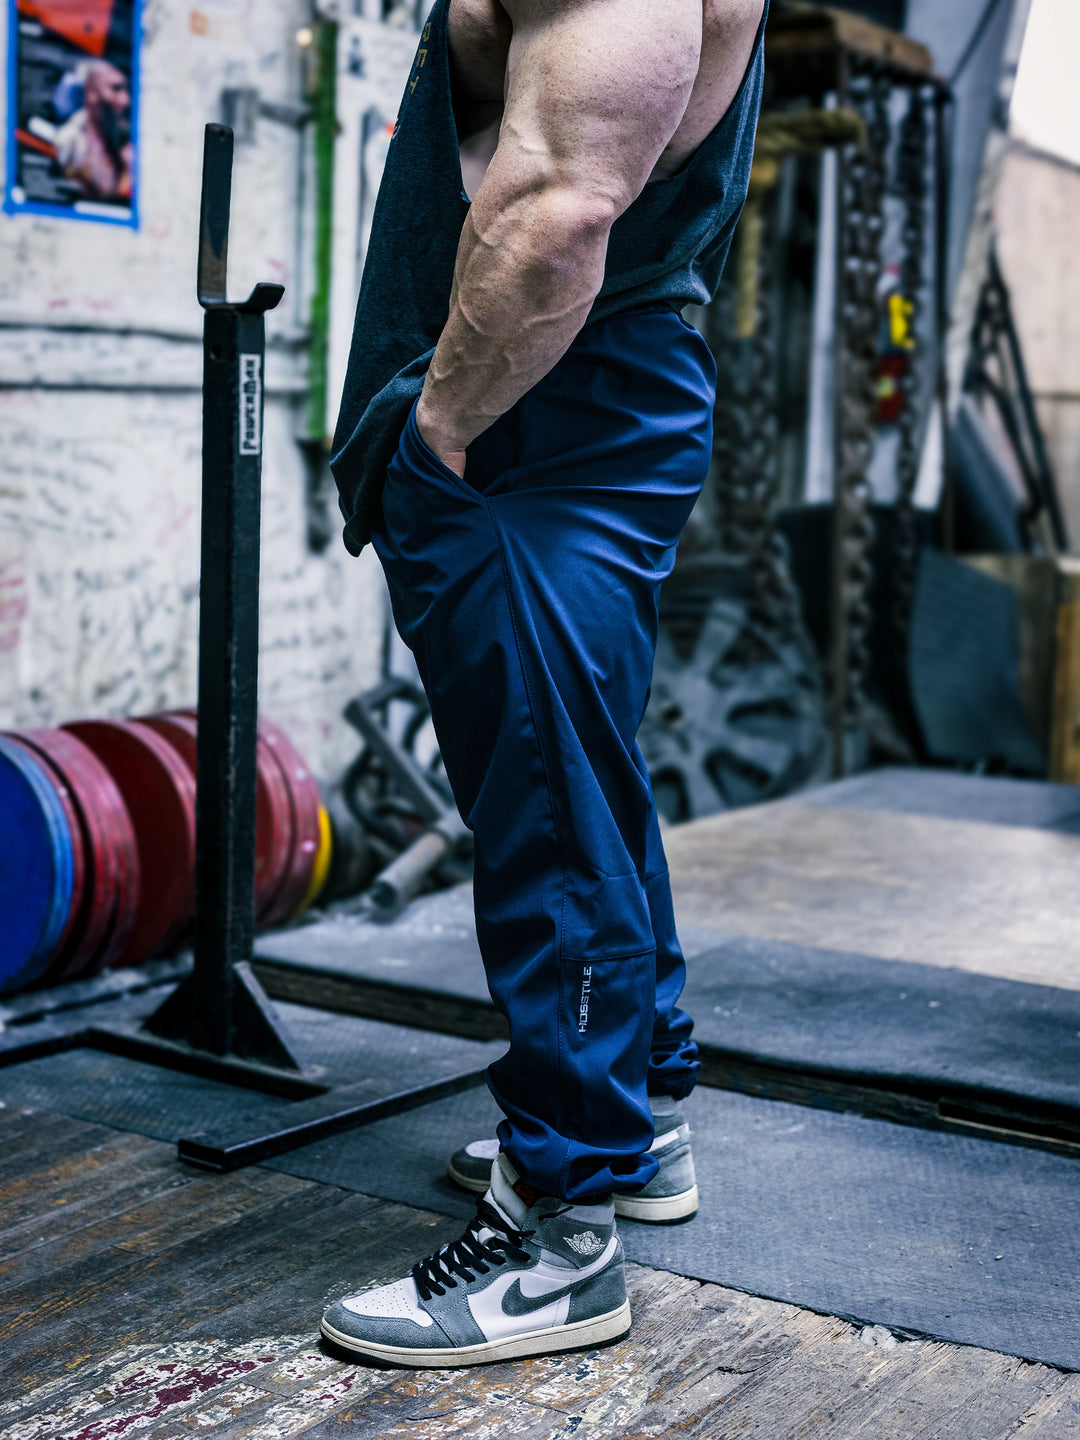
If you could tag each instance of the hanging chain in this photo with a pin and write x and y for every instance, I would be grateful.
(772, 590)
(745, 420)
(863, 223)
(912, 185)
(742, 334)
(738, 412)
(729, 506)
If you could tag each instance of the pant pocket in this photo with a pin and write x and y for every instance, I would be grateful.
(416, 457)
(605, 917)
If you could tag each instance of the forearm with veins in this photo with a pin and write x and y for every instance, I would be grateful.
(527, 275)
(584, 123)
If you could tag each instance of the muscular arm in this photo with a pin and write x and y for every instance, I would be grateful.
(595, 90)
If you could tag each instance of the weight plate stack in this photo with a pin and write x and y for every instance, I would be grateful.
(736, 713)
(305, 804)
(36, 868)
(159, 792)
(102, 929)
(324, 857)
(273, 811)
(55, 966)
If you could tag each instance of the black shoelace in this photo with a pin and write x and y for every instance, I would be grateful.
(470, 1256)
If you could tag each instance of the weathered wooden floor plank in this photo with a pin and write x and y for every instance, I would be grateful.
(193, 1308)
(247, 1268)
(1057, 1418)
(24, 1144)
(89, 1305)
(148, 1215)
(128, 1186)
(703, 1361)
(67, 1179)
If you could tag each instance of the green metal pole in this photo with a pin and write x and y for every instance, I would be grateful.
(323, 101)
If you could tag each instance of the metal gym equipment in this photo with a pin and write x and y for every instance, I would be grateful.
(868, 82)
(221, 1009)
(996, 372)
(413, 788)
(816, 57)
(737, 711)
(219, 1022)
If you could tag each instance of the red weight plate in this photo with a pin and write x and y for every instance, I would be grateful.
(109, 848)
(80, 890)
(178, 729)
(159, 792)
(305, 800)
(273, 811)
(273, 815)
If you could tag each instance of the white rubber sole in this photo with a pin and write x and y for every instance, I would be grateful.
(602, 1329)
(661, 1211)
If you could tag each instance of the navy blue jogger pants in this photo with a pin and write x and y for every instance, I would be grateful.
(528, 593)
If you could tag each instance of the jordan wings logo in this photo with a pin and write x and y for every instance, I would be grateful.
(515, 1303)
(585, 1243)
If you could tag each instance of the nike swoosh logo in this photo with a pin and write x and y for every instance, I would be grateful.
(515, 1303)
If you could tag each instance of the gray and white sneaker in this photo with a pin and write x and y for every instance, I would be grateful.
(530, 1276)
(671, 1195)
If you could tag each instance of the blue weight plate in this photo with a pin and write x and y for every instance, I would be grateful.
(36, 868)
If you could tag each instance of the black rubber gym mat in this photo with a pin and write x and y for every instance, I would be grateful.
(768, 1002)
(947, 795)
(927, 1234)
(431, 946)
(887, 1020)
(166, 1104)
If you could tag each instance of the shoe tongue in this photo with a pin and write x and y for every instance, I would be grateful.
(567, 1235)
(510, 1194)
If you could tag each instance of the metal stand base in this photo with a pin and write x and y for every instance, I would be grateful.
(318, 1110)
(250, 1141)
(138, 1043)
(257, 1035)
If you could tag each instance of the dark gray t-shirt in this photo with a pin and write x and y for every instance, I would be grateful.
(670, 245)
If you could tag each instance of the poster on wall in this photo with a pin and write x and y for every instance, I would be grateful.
(72, 106)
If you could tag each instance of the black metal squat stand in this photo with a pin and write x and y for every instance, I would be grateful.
(221, 1009)
(219, 1022)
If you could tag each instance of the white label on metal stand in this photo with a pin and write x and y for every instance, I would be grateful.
(250, 404)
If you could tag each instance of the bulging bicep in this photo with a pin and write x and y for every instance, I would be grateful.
(595, 91)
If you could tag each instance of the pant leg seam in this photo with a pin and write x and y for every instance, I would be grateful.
(529, 701)
(547, 786)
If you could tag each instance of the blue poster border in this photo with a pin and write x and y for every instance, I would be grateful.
(65, 212)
